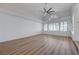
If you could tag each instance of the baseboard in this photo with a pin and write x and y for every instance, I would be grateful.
(57, 35)
(67, 34)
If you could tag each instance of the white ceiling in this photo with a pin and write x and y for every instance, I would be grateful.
(35, 10)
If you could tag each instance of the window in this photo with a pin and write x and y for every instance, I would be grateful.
(54, 27)
(57, 26)
(45, 27)
(50, 27)
(60, 26)
(63, 26)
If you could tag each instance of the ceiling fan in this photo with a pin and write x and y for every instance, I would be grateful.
(49, 11)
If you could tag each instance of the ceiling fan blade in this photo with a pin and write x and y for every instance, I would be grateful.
(49, 9)
(49, 13)
(44, 9)
(52, 12)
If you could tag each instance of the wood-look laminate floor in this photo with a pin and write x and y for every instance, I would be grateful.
(39, 45)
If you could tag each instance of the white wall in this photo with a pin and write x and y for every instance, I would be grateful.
(12, 27)
(69, 29)
(75, 18)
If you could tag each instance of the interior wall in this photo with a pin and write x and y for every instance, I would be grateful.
(12, 27)
(61, 33)
(75, 18)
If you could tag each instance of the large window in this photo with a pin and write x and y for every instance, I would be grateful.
(54, 27)
(51, 27)
(45, 27)
(63, 26)
(60, 26)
